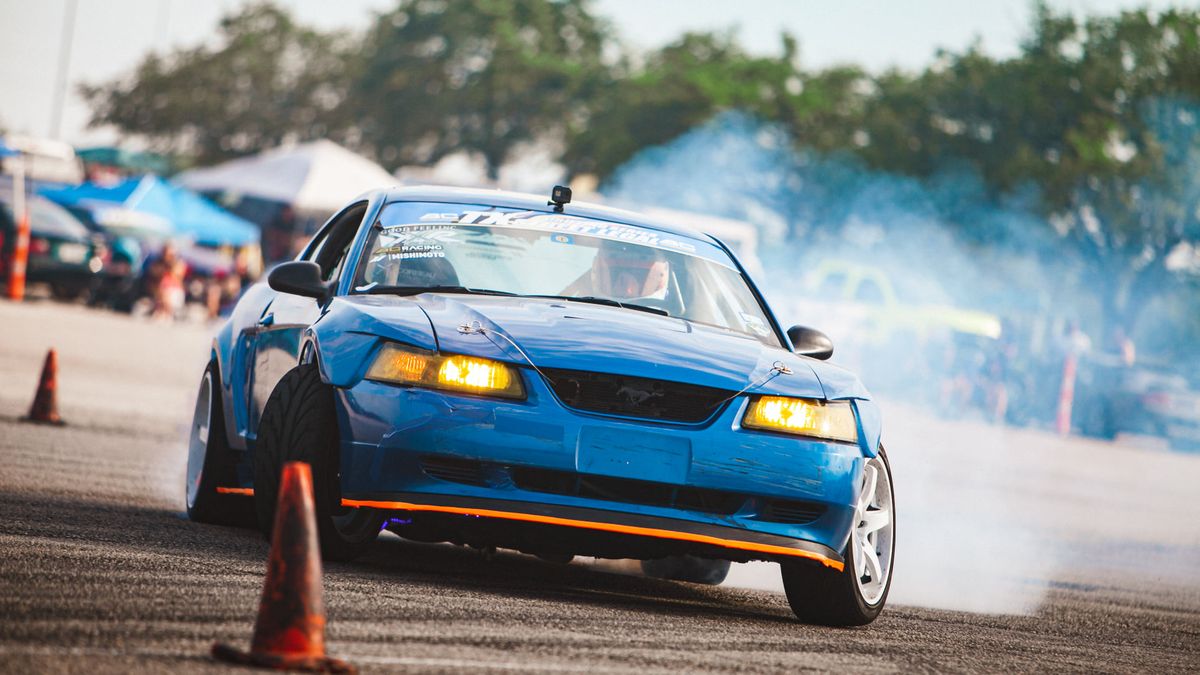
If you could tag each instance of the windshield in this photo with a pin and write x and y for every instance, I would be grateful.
(481, 249)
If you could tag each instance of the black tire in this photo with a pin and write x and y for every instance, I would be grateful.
(299, 423)
(211, 463)
(824, 596)
(687, 568)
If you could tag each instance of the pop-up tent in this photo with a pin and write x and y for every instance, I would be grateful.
(129, 162)
(312, 178)
(189, 215)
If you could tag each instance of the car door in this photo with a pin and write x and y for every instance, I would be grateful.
(282, 323)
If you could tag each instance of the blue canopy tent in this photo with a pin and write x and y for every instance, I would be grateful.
(188, 214)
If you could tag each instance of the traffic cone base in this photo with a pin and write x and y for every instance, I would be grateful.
(45, 402)
(289, 633)
(309, 664)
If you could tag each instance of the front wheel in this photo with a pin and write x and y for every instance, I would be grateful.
(299, 424)
(855, 595)
(210, 462)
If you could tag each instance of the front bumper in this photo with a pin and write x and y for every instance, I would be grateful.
(695, 537)
(710, 488)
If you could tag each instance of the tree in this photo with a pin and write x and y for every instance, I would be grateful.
(688, 82)
(679, 87)
(437, 78)
(268, 81)
(1097, 116)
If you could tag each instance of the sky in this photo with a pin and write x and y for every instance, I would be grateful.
(110, 37)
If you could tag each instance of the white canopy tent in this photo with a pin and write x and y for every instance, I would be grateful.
(316, 178)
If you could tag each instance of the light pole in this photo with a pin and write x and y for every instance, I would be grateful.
(64, 64)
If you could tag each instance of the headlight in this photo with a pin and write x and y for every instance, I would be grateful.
(833, 421)
(470, 374)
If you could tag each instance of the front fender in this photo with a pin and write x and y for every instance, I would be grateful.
(223, 356)
(344, 338)
(870, 426)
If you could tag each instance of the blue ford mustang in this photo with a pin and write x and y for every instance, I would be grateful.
(495, 370)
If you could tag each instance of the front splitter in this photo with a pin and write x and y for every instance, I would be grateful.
(604, 521)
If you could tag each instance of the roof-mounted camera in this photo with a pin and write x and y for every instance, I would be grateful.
(560, 195)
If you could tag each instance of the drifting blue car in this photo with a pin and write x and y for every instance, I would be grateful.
(495, 370)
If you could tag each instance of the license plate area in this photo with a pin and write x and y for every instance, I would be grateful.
(70, 253)
(633, 454)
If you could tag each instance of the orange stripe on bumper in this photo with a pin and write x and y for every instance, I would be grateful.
(606, 527)
(249, 492)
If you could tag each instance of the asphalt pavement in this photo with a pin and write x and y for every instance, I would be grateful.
(1017, 551)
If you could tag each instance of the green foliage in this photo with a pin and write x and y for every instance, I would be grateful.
(689, 81)
(439, 77)
(1093, 114)
(270, 80)
(1091, 117)
(678, 87)
(1064, 111)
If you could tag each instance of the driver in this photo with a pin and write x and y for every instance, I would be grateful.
(623, 271)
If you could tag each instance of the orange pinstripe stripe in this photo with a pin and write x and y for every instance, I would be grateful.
(607, 527)
(249, 492)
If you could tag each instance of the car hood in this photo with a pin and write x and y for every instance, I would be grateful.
(596, 338)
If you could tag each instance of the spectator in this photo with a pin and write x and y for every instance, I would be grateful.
(1074, 342)
(165, 276)
(1123, 345)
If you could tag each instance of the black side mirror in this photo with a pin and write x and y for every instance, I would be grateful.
(810, 342)
(300, 277)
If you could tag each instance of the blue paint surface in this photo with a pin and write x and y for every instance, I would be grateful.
(387, 430)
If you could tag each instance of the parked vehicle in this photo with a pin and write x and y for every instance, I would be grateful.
(1113, 398)
(62, 252)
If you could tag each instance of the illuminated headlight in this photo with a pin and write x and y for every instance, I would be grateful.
(832, 421)
(407, 365)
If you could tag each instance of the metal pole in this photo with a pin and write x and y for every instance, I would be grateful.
(64, 64)
(163, 23)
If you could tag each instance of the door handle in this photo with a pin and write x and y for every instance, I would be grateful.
(268, 320)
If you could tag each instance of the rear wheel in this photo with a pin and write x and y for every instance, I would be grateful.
(856, 595)
(299, 424)
(210, 461)
(687, 568)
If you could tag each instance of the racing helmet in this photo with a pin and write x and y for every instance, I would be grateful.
(626, 270)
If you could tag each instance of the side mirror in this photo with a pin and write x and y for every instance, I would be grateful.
(300, 277)
(810, 342)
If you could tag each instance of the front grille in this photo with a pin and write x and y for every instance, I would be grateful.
(627, 490)
(455, 470)
(635, 396)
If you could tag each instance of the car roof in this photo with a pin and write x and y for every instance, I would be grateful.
(46, 218)
(530, 202)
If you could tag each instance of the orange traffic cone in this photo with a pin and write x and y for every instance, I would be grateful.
(290, 631)
(45, 402)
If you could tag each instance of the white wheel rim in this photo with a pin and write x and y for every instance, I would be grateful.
(873, 527)
(198, 439)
